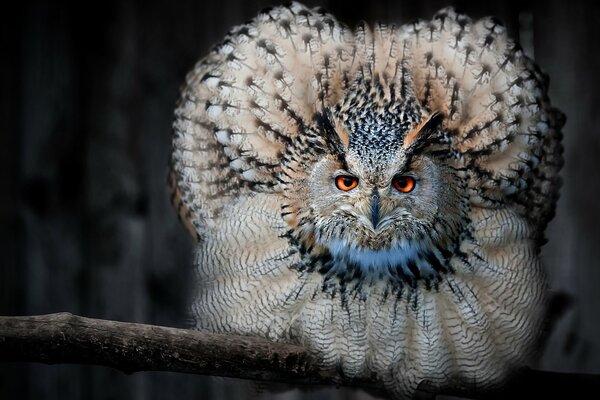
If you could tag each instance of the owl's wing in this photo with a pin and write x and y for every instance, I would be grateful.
(256, 94)
(502, 126)
(250, 99)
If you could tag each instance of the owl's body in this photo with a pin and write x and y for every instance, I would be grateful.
(378, 195)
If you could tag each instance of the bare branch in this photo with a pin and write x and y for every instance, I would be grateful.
(129, 347)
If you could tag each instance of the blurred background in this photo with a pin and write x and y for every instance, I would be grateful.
(87, 93)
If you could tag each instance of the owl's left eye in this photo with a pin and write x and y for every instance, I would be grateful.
(346, 182)
(403, 183)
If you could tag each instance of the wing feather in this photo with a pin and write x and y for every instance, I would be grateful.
(255, 96)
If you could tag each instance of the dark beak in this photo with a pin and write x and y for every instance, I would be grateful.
(375, 208)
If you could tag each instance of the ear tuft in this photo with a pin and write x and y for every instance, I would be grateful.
(423, 130)
(336, 133)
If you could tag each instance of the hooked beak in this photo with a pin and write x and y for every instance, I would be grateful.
(375, 208)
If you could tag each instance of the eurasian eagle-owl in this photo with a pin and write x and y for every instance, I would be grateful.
(378, 195)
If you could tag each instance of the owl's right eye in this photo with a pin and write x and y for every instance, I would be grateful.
(346, 182)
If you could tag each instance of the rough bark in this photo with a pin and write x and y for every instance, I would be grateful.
(130, 347)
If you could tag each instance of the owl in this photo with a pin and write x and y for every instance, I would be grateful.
(378, 195)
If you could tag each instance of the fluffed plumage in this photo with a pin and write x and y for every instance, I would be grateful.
(442, 283)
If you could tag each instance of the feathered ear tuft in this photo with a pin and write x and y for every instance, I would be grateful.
(419, 135)
(336, 135)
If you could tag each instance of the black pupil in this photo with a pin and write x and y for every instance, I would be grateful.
(348, 180)
(402, 182)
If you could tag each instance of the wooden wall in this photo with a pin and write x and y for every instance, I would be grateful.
(87, 93)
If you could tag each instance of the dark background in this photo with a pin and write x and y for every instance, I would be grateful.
(87, 94)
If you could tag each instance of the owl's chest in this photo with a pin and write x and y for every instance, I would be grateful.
(482, 318)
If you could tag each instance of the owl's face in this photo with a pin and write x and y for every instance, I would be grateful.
(380, 200)
(356, 208)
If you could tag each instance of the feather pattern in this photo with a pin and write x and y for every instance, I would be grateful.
(454, 293)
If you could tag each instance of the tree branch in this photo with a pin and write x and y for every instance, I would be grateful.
(129, 347)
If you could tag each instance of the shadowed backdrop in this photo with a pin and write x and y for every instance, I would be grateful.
(87, 93)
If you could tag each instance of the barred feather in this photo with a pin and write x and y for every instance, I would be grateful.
(286, 91)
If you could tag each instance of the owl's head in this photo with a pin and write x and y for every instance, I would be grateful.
(383, 196)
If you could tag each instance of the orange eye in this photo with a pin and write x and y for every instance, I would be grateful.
(404, 184)
(346, 182)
